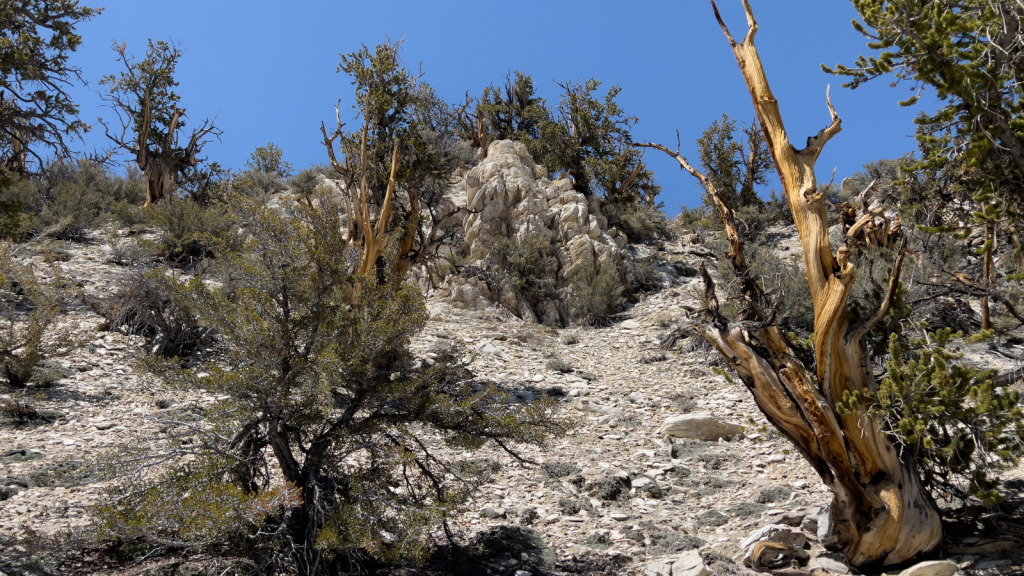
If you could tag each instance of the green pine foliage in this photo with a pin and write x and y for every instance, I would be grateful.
(968, 53)
(329, 443)
(395, 106)
(585, 136)
(734, 167)
(514, 112)
(961, 430)
(36, 110)
(266, 172)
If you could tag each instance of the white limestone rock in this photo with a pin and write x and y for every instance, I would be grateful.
(690, 564)
(508, 197)
(935, 568)
(699, 426)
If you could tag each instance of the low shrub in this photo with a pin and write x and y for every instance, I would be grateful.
(597, 541)
(522, 264)
(710, 519)
(145, 305)
(781, 277)
(72, 196)
(608, 488)
(640, 225)
(189, 230)
(558, 364)
(18, 409)
(28, 310)
(129, 251)
(642, 277)
(595, 297)
(747, 510)
(774, 495)
(558, 469)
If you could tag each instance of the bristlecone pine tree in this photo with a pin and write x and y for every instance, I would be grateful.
(880, 512)
(143, 97)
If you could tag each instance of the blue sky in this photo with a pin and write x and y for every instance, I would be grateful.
(267, 70)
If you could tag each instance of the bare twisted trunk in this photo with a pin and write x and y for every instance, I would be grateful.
(881, 512)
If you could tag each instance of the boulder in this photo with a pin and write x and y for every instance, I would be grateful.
(690, 564)
(826, 528)
(699, 426)
(658, 568)
(935, 568)
(832, 562)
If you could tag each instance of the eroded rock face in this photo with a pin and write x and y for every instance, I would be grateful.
(509, 197)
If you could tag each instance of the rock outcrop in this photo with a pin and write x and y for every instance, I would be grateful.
(509, 197)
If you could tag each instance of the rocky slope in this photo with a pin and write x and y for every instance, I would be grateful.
(616, 496)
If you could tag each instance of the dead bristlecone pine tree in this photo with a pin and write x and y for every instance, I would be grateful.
(881, 513)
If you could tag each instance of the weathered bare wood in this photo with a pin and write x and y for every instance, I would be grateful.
(881, 512)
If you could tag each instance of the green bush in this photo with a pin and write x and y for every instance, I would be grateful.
(782, 277)
(521, 263)
(326, 446)
(86, 193)
(28, 310)
(696, 218)
(144, 305)
(642, 276)
(950, 417)
(189, 230)
(66, 198)
(306, 182)
(595, 297)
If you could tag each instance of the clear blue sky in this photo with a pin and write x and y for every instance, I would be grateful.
(267, 69)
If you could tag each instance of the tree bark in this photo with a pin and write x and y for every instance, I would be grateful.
(881, 512)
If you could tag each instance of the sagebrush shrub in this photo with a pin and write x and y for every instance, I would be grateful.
(66, 198)
(595, 297)
(642, 276)
(83, 194)
(145, 305)
(28, 310)
(639, 224)
(188, 229)
(522, 264)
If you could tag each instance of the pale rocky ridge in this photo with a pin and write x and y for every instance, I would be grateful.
(508, 196)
